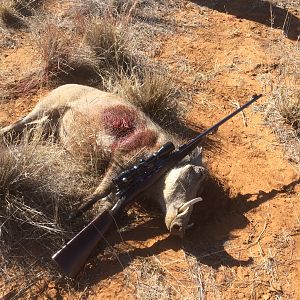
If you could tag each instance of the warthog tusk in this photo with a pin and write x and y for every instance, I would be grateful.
(188, 204)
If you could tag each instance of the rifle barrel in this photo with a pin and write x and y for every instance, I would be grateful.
(193, 143)
(221, 122)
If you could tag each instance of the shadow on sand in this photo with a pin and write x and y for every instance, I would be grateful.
(259, 11)
(215, 218)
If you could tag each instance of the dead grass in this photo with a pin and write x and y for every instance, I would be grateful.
(110, 42)
(92, 43)
(61, 52)
(282, 115)
(52, 39)
(151, 281)
(38, 185)
(282, 111)
(119, 9)
(76, 50)
(61, 56)
(151, 92)
(27, 6)
(156, 94)
(287, 102)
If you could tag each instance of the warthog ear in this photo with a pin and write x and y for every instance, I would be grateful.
(196, 156)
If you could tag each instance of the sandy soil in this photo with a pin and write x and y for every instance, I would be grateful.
(245, 244)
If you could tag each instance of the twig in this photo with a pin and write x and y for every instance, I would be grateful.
(237, 104)
(201, 285)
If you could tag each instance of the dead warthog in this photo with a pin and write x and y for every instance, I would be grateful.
(87, 120)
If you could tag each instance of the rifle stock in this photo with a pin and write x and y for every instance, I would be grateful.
(72, 257)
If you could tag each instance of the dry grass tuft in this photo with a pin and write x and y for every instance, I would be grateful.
(85, 51)
(119, 9)
(60, 51)
(152, 92)
(155, 93)
(38, 186)
(110, 42)
(287, 102)
(282, 112)
(51, 41)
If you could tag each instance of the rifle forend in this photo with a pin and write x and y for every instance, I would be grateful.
(130, 184)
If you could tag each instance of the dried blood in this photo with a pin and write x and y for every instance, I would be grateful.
(127, 128)
(119, 120)
(138, 139)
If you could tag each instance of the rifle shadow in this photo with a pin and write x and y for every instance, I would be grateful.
(215, 219)
(259, 11)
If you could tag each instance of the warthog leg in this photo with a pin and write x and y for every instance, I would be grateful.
(48, 119)
(105, 188)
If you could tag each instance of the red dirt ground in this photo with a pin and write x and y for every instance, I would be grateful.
(252, 249)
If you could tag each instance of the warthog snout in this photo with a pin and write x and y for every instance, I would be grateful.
(177, 219)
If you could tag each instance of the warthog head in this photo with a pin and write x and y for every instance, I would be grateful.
(180, 192)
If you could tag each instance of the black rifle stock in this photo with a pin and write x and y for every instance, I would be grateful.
(130, 184)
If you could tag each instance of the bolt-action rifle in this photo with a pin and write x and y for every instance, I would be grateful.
(129, 185)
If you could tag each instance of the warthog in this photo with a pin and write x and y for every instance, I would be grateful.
(86, 118)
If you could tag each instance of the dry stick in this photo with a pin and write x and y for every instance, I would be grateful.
(110, 246)
(271, 15)
(287, 24)
(237, 104)
(285, 21)
(258, 239)
(262, 252)
(201, 285)
(192, 272)
(130, 11)
(121, 237)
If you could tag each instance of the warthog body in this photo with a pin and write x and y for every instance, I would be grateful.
(86, 119)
